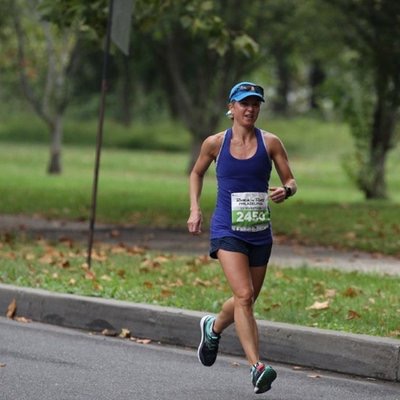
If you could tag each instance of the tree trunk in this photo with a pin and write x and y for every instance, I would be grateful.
(281, 104)
(316, 78)
(54, 166)
(126, 93)
(200, 130)
(381, 143)
(376, 189)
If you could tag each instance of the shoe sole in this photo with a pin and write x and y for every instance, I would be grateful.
(270, 376)
(200, 348)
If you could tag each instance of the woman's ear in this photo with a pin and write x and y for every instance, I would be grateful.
(229, 113)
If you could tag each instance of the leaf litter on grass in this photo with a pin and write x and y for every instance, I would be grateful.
(305, 296)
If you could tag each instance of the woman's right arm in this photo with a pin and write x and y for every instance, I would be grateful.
(206, 157)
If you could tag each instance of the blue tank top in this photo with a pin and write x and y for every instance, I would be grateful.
(242, 187)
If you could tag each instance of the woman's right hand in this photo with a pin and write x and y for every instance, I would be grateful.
(194, 222)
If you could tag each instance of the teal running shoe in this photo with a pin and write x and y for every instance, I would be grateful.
(262, 377)
(208, 347)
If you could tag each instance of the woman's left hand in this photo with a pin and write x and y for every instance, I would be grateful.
(277, 194)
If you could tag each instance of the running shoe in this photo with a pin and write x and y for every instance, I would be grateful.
(262, 377)
(208, 347)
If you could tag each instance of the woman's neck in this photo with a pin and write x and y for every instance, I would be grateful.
(242, 132)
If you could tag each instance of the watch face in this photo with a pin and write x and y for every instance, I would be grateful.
(288, 191)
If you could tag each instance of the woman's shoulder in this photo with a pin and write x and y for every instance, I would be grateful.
(213, 142)
(270, 138)
(216, 137)
(269, 135)
(273, 142)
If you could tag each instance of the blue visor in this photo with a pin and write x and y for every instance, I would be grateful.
(246, 89)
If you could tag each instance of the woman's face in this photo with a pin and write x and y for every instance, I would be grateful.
(245, 112)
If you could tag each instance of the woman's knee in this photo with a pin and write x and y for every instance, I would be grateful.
(245, 298)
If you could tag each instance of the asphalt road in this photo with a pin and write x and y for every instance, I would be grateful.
(43, 362)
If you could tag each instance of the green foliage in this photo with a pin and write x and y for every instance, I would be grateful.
(371, 31)
(358, 111)
(90, 17)
(188, 53)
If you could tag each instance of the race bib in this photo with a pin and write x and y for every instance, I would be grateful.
(250, 211)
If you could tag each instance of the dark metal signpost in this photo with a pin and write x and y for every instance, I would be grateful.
(118, 30)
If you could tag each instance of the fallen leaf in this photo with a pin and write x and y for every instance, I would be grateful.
(350, 292)
(201, 282)
(330, 293)
(46, 259)
(166, 293)
(351, 314)
(10, 255)
(125, 333)
(65, 264)
(143, 341)
(297, 368)
(66, 241)
(350, 235)
(115, 233)
(121, 273)
(178, 283)
(2, 365)
(136, 250)
(272, 306)
(22, 319)
(90, 275)
(30, 257)
(395, 333)
(202, 260)
(118, 249)
(109, 332)
(12, 308)
(319, 305)
(161, 259)
(99, 256)
(149, 264)
(314, 376)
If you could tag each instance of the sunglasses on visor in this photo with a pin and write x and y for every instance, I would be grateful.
(249, 88)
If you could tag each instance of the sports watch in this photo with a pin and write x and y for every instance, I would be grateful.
(288, 191)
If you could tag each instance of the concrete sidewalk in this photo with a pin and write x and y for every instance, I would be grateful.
(361, 355)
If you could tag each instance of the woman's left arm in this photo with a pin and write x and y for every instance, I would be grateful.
(280, 159)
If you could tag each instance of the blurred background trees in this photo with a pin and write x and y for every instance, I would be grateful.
(329, 59)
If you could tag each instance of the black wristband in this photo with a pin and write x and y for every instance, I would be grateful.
(288, 191)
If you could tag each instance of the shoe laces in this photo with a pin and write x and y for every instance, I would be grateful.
(212, 341)
(257, 369)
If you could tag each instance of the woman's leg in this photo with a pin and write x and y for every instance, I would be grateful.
(226, 315)
(246, 284)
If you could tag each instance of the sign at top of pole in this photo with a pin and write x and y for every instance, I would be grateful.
(121, 24)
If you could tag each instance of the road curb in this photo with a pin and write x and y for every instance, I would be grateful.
(361, 355)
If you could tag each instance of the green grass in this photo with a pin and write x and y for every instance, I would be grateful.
(28, 128)
(354, 302)
(151, 188)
